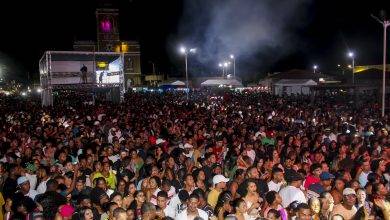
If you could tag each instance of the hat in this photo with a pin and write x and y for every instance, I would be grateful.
(326, 176)
(31, 167)
(348, 191)
(293, 176)
(316, 188)
(219, 179)
(66, 211)
(22, 180)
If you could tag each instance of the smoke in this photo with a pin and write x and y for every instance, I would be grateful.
(249, 29)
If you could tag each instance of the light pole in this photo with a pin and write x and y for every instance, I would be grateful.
(234, 64)
(225, 66)
(184, 51)
(352, 56)
(315, 67)
(385, 24)
(223, 69)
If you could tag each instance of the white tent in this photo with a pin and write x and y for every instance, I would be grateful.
(293, 86)
(173, 83)
(223, 82)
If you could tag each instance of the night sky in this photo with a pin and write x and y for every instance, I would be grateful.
(328, 30)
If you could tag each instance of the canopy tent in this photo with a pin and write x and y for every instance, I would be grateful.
(173, 83)
(293, 86)
(223, 82)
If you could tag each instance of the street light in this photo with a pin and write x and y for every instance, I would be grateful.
(352, 56)
(315, 67)
(385, 24)
(234, 64)
(223, 69)
(185, 52)
(225, 66)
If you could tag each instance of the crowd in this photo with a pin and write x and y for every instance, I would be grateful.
(220, 155)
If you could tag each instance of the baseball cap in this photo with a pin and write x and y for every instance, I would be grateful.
(219, 179)
(326, 176)
(349, 191)
(22, 180)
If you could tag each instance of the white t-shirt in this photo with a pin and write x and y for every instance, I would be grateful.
(272, 186)
(183, 215)
(290, 194)
(42, 187)
(251, 154)
(363, 178)
(32, 179)
(32, 193)
(168, 212)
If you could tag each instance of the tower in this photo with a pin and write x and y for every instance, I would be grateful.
(107, 29)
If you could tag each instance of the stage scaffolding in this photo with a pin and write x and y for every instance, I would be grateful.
(61, 71)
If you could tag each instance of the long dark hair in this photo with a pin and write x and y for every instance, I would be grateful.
(225, 196)
(81, 214)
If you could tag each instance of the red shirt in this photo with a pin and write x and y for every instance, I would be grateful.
(311, 180)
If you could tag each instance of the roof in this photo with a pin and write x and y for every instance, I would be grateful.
(371, 73)
(83, 56)
(217, 82)
(295, 82)
(298, 74)
(173, 83)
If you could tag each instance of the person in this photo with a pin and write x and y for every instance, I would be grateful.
(240, 209)
(203, 202)
(85, 214)
(365, 171)
(24, 187)
(148, 210)
(119, 214)
(162, 200)
(274, 215)
(252, 199)
(362, 200)
(139, 199)
(324, 185)
(327, 204)
(192, 210)
(223, 207)
(315, 207)
(108, 175)
(337, 191)
(277, 179)
(292, 191)
(252, 174)
(347, 208)
(101, 77)
(43, 177)
(304, 212)
(314, 177)
(84, 71)
(219, 183)
(274, 201)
